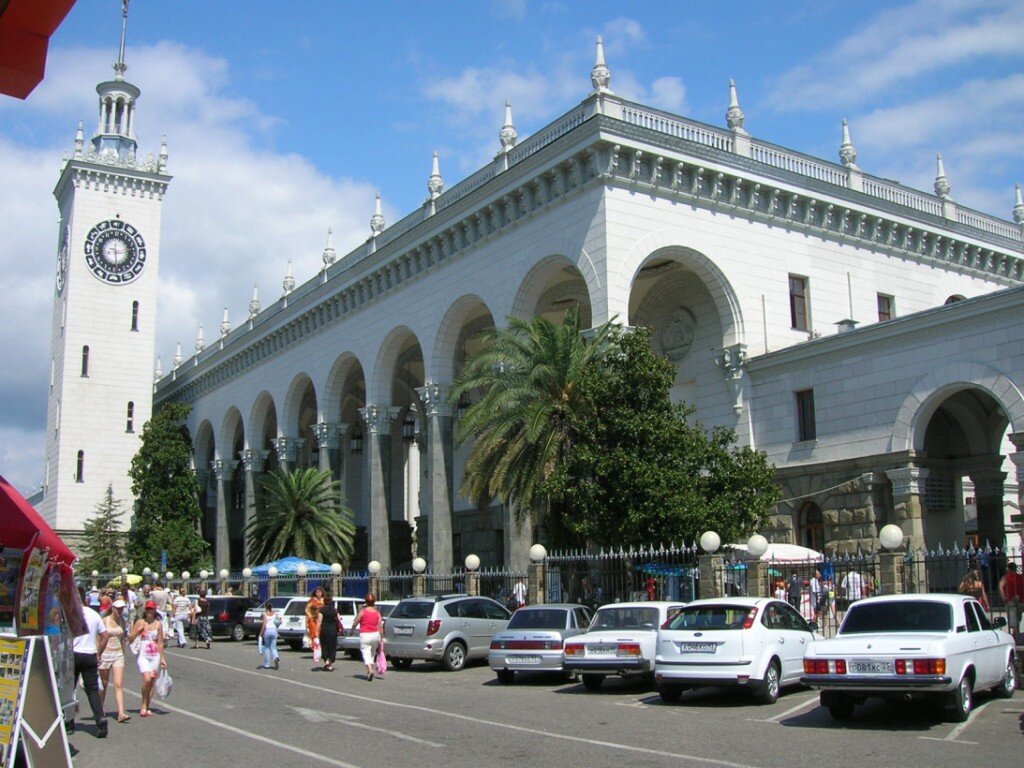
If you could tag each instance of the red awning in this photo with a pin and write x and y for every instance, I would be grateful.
(19, 524)
(25, 29)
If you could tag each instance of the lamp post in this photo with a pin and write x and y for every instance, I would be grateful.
(537, 587)
(336, 578)
(891, 536)
(758, 582)
(373, 568)
(224, 581)
(247, 581)
(272, 581)
(301, 572)
(710, 565)
(419, 581)
(890, 562)
(95, 579)
(147, 573)
(472, 577)
(203, 576)
(124, 576)
(185, 576)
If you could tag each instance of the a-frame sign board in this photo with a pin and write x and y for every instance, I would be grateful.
(30, 713)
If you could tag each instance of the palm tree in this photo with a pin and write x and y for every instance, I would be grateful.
(526, 376)
(301, 514)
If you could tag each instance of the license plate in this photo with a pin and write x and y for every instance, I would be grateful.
(872, 667)
(525, 660)
(602, 648)
(697, 647)
(403, 630)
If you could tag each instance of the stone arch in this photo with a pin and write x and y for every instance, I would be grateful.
(204, 444)
(298, 392)
(334, 388)
(262, 416)
(229, 427)
(379, 387)
(443, 363)
(542, 276)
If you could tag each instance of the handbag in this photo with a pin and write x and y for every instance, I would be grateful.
(136, 646)
(317, 655)
(164, 683)
(382, 660)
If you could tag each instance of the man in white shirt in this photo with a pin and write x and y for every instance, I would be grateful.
(853, 585)
(88, 648)
(161, 597)
(519, 593)
(182, 617)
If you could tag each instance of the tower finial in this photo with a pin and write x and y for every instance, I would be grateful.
(288, 284)
(254, 305)
(507, 135)
(79, 141)
(329, 256)
(200, 342)
(1018, 206)
(177, 360)
(435, 184)
(377, 220)
(158, 372)
(734, 116)
(120, 66)
(225, 324)
(942, 187)
(847, 152)
(600, 76)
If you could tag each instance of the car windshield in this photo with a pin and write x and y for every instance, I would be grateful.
(537, 618)
(412, 609)
(276, 602)
(711, 617)
(625, 618)
(295, 608)
(898, 616)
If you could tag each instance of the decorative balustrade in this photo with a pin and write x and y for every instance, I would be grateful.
(680, 127)
(777, 157)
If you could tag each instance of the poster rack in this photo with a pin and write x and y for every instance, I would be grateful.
(31, 720)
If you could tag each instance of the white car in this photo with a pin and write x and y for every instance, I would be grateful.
(905, 646)
(253, 619)
(620, 641)
(293, 620)
(757, 643)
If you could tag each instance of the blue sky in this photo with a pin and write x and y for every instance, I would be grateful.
(284, 119)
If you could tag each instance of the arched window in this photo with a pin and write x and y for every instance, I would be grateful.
(954, 298)
(85, 360)
(811, 527)
(135, 315)
(131, 417)
(80, 468)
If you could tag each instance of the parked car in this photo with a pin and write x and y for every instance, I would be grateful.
(534, 639)
(349, 644)
(254, 616)
(450, 629)
(227, 615)
(907, 646)
(756, 643)
(293, 619)
(620, 641)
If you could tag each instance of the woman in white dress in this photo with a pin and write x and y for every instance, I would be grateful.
(150, 630)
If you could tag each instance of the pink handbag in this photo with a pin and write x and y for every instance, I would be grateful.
(382, 660)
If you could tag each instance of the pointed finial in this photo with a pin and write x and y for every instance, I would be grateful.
(79, 141)
(435, 184)
(847, 152)
(254, 305)
(289, 282)
(200, 342)
(600, 76)
(1018, 206)
(329, 256)
(161, 165)
(176, 360)
(158, 372)
(120, 66)
(377, 220)
(225, 324)
(734, 116)
(507, 135)
(942, 188)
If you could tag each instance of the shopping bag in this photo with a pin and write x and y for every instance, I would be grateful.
(317, 656)
(163, 684)
(382, 659)
(136, 646)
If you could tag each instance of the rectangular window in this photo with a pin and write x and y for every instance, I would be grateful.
(131, 417)
(805, 415)
(885, 307)
(798, 316)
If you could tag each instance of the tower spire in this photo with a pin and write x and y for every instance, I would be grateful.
(329, 256)
(942, 187)
(847, 152)
(507, 135)
(1018, 206)
(600, 76)
(734, 116)
(377, 220)
(435, 184)
(120, 66)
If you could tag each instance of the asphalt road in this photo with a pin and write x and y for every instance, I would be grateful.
(224, 712)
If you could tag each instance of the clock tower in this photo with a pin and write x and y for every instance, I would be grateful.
(104, 310)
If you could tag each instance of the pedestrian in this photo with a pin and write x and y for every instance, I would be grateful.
(161, 597)
(313, 606)
(1011, 588)
(112, 659)
(973, 586)
(368, 624)
(181, 610)
(201, 620)
(268, 638)
(779, 590)
(519, 592)
(87, 649)
(330, 625)
(853, 586)
(828, 590)
(817, 598)
(151, 653)
(793, 590)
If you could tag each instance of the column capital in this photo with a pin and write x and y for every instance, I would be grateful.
(435, 398)
(252, 459)
(329, 436)
(222, 468)
(287, 447)
(379, 418)
(988, 482)
(907, 480)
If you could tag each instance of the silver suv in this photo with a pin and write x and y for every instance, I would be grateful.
(450, 629)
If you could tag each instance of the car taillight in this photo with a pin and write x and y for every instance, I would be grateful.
(574, 649)
(628, 649)
(497, 645)
(825, 666)
(222, 616)
(749, 621)
(433, 626)
(920, 666)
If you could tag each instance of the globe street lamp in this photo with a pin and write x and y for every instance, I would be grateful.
(757, 545)
(891, 536)
(710, 542)
(538, 553)
(472, 562)
(301, 572)
(373, 568)
(419, 565)
(272, 580)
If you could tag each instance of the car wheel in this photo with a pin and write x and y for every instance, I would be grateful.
(592, 682)
(454, 657)
(963, 700)
(840, 707)
(670, 693)
(768, 690)
(505, 675)
(402, 663)
(1008, 684)
(295, 645)
(238, 633)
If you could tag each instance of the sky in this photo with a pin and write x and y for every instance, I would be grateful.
(284, 120)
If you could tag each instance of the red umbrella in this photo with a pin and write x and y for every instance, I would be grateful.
(19, 524)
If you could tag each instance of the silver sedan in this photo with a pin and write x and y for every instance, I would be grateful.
(534, 638)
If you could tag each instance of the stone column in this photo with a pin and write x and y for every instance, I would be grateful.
(473, 583)
(252, 464)
(1017, 438)
(378, 420)
(437, 490)
(907, 487)
(758, 579)
(287, 450)
(222, 471)
(537, 587)
(890, 573)
(419, 585)
(710, 568)
(517, 540)
(988, 495)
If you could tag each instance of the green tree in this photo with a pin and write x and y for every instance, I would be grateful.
(641, 471)
(167, 512)
(103, 541)
(526, 377)
(300, 514)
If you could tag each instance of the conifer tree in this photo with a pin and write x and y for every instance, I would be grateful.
(103, 547)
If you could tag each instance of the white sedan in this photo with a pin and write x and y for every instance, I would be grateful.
(906, 646)
(620, 641)
(756, 643)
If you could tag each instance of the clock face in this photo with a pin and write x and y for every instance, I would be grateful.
(62, 261)
(115, 252)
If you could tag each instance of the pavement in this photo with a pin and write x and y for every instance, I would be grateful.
(224, 711)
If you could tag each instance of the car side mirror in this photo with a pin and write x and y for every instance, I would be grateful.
(813, 626)
(999, 622)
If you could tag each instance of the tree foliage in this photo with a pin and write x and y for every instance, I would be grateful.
(301, 514)
(167, 511)
(103, 542)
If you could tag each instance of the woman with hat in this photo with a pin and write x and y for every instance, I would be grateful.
(151, 654)
(112, 660)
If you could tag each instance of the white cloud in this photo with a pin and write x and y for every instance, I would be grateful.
(621, 34)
